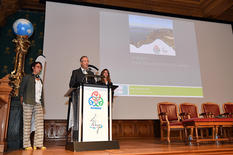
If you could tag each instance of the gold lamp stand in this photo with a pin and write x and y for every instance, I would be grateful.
(22, 45)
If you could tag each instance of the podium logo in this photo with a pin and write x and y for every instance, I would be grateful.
(94, 125)
(96, 101)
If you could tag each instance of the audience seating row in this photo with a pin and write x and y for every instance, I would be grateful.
(170, 118)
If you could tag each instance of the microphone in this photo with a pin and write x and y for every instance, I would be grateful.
(87, 70)
(37, 76)
(92, 66)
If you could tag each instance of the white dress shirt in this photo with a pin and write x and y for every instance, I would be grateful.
(38, 89)
(84, 71)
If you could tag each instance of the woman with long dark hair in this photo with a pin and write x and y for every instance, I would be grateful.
(105, 80)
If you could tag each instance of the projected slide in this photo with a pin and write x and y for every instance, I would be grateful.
(149, 56)
(150, 35)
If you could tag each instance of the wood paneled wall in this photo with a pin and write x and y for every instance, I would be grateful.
(55, 130)
(135, 128)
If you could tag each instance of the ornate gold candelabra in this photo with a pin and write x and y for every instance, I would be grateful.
(22, 45)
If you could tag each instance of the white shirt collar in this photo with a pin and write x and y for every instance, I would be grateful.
(84, 70)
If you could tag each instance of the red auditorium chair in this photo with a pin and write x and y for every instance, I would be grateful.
(189, 110)
(228, 109)
(169, 119)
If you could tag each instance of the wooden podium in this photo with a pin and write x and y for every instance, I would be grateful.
(92, 118)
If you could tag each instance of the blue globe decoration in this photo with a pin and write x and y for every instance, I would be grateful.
(23, 27)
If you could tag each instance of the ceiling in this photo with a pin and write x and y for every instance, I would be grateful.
(219, 10)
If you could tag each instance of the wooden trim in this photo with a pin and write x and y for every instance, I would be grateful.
(55, 132)
(205, 10)
(5, 99)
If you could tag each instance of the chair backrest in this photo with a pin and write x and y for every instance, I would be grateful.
(189, 108)
(228, 107)
(211, 108)
(169, 108)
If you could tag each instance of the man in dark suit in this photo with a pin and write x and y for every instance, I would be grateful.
(78, 75)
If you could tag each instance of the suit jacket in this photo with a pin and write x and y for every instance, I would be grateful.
(78, 77)
(27, 90)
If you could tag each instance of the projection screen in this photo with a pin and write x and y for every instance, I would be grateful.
(151, 58)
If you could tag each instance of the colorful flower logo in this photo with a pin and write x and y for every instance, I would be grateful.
(96, 101)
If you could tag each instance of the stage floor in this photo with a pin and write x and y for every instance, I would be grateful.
(139, 146)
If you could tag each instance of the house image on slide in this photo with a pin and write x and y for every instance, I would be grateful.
(157, 47)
